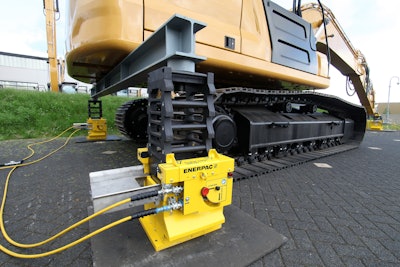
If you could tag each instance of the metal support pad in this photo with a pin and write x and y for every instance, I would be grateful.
(172, 45)
(111, 186)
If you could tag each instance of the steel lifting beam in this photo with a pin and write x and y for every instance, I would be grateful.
(172, 45)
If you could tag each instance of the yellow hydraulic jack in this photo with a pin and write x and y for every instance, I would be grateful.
(375, 122)
(97, 129)
(97, 125)
(202, 187)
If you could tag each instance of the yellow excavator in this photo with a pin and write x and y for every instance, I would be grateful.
(240, 78)
(243, 42)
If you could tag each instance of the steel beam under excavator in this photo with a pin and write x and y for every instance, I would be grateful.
(172, 45)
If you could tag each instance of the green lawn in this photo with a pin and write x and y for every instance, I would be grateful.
(30, 114)
(391, 127)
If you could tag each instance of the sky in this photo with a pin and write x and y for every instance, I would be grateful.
(372, 26)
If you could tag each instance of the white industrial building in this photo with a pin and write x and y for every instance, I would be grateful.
(23, 72)
(29, 73)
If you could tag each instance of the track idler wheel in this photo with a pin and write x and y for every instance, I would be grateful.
(225, 133)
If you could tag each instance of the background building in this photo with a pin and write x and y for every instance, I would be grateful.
(394, 109)
(23, 72)
(31, 73)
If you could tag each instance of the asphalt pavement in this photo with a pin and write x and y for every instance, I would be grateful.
(341, 210)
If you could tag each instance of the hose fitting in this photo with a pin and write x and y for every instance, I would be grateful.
(12, 163)
(168, 189)
(172, 205)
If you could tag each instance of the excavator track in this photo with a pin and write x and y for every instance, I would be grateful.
(250, 170)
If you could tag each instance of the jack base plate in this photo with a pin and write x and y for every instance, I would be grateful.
(175, 228)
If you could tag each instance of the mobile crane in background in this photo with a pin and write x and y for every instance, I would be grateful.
(245, 87)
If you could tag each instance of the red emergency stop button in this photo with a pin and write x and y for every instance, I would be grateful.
(205, 191)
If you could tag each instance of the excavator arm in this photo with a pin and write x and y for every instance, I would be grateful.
(50, 9)
(332, 41)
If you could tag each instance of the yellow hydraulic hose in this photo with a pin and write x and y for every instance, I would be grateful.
(66, 230)
(80, 240)
(2, 226)
(42, 142)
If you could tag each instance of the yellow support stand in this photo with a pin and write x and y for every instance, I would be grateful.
(207, 189)
(97, 129)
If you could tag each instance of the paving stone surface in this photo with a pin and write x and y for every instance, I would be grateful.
(345, 214)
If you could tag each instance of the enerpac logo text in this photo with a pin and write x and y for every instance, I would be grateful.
(198, 168)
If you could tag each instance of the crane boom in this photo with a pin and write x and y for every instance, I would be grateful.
(50, 9)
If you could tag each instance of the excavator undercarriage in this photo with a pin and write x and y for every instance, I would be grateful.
(254, 125)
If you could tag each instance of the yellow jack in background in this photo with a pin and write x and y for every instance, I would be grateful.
(97, 125)
(97, 129)
(375, 123)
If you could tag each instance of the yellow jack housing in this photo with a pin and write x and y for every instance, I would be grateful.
(207, 189)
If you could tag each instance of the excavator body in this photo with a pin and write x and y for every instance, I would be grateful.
(267, 62)
(243, 42)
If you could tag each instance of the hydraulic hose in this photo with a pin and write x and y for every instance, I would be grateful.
(80, 240)
(3, 202)
(98, 231)
(143, 213)
(328, 51)
(144, 195)
(6, 166)
(66, 230)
